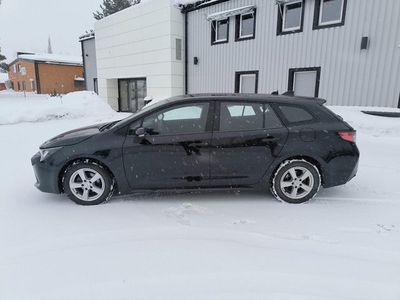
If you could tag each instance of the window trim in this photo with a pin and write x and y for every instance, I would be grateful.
(214, 32)
(238, 27)
(318, 15)
(238, 76)
(282, 16)
(294, 70)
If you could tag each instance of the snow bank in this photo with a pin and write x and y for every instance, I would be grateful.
(15, 108)
(368, 124)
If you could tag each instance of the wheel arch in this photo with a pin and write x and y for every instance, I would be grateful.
(307, 158)
(83, 160)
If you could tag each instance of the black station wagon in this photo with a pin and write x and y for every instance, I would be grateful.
(289, 145)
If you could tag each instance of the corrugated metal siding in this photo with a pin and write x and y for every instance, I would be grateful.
(349, 75)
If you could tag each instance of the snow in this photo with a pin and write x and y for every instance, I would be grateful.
(345, 244)
(53, 58)
(3, 77)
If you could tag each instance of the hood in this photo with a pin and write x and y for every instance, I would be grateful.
(73, 137)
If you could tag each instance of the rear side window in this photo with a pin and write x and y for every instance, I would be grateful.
(247, 116)
(296, 114)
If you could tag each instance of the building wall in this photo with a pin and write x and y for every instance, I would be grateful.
(16, 76)
(349, 75)
(58, 78)
(52, 77)
(89, 61)
(140, 42)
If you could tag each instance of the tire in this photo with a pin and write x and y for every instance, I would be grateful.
(87, 183)
(296, 181)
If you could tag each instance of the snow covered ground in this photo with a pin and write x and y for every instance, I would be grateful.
(345, 244)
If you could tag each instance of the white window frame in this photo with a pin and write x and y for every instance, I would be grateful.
(241, 26)
(284, 16)
(217, 39)
(320, 23)
(246, 75)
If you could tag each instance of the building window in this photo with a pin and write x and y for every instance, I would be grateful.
(95, 86)
(290, 17)
(246, 82)
(33, 87)
(14, 67)
(246, 26)
(178, 48)
(19, 86)
(304, 82)
(329, 13)
(219, 31)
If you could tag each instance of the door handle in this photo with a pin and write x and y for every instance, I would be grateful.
(270, 139)
(198, 144)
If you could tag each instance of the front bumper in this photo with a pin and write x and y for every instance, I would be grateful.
(46, 173)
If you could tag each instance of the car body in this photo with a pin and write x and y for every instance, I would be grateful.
(289, 145)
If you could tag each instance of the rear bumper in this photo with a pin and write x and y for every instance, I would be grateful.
(341, 170)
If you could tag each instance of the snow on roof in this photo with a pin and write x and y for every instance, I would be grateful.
(87, 36)
(183, 3)
(53, 58)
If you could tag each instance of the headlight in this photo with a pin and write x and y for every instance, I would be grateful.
(47, 152)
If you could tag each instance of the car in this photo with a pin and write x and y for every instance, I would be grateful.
(289, 145)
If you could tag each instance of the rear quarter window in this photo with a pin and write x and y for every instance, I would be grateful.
(296, 114)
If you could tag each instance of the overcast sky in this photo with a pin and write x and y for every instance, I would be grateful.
(25, 25)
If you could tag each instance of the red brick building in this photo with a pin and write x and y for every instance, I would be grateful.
(46, 73)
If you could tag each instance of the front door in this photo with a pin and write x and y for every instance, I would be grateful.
(131, 94)
(173, 150)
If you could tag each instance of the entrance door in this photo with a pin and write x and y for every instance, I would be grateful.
(131, 94)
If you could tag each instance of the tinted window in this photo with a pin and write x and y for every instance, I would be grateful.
(247, 116)
(183, 119)
(295, 114)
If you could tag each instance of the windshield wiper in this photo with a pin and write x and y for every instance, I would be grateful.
(108, 126)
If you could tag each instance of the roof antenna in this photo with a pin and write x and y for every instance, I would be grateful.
(288, 93)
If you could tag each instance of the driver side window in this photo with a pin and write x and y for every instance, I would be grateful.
(182, 119)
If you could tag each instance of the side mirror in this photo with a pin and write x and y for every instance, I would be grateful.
(141, 132)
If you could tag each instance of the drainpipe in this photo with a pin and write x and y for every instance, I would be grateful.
(186, 52)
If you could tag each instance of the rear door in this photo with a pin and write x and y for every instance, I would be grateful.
(246, 139)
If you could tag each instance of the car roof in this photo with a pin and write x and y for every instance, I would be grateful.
(246, 97)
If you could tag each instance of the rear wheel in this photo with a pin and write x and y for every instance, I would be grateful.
(296, 181)
(87, 183)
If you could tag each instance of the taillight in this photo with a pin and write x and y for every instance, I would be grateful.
(349, 136)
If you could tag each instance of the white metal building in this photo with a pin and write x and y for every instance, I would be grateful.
(140, 53)
(347, 51)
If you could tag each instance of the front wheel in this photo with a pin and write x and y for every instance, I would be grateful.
(87, 183)
(296, 181)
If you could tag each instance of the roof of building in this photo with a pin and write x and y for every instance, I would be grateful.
(88, 36)
(51, 58)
